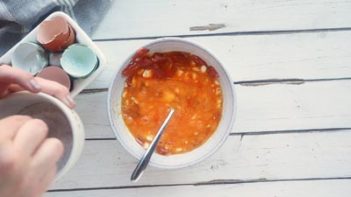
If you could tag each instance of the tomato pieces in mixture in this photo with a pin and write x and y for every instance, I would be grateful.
(154, 82)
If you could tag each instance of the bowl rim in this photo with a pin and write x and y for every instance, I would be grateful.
(214, 148)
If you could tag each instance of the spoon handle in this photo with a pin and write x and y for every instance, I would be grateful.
(144, 161)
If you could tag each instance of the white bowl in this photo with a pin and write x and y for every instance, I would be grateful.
(16, 102)
(213, 143)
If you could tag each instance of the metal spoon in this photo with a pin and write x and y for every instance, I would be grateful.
(144, 161)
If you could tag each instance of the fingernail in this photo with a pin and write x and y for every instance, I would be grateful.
(69, 101)
(35, 85)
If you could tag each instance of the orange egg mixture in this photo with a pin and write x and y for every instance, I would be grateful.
(154, 82)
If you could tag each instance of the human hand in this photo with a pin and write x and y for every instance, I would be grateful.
(27, 158)
(14, 80)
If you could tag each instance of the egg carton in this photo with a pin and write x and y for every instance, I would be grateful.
(78, 84)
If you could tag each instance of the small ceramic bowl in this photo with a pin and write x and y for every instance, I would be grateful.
(68, 126)
(213, 143)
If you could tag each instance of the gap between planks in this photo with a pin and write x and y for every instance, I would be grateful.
(242, 33)
(212, 182)
(250, 83)
(243, 134)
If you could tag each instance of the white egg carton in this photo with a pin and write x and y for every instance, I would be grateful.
(81, 37)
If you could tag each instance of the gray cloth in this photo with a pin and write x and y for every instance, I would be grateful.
(18, 17)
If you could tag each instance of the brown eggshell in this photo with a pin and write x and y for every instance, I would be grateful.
(55, 73)
(71, 38)
(53, 33)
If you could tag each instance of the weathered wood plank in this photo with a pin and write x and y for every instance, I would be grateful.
(274, 107)
(303, 56)
(138, 18)
(105, 163)
(326, 188)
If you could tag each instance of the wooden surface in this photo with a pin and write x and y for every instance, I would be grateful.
(291, 65)
(153, 18)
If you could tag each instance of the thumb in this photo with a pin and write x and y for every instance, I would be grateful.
(10, 75)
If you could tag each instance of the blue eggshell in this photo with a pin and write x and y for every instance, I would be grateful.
(29, 57)
(79, 61)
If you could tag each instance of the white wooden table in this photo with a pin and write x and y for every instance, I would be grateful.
(291, 62)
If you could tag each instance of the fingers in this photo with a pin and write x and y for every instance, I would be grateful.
(3, 89)
(9, 126)
(46, 181)
(41, 178)
(14, 88)
(7, 159)
(47, 156)
(51, 88)
(57, 90)
(30, 136)
(10, 75)
(14, 79)
(8, 154)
